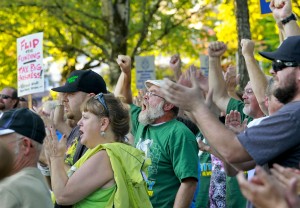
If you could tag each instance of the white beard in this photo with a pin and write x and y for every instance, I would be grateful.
(151, 114)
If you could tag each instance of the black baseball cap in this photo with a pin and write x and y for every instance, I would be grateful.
(23, 121)
(83, 80)
(288, 51)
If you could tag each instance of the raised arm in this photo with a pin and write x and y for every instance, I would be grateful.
(256, 75)
(230, 78)
(58, 116)
(282, 13)
(215, 77)
(175, 65)
(124, 82)
(213, 130)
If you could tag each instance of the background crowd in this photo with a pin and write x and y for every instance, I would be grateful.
(193, 141)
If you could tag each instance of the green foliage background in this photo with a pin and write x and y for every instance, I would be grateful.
(100, 30)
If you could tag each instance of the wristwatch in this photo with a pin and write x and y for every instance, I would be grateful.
(288, 19)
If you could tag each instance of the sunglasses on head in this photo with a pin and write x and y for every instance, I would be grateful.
(5, 96)
(279, 65)
(100, 98)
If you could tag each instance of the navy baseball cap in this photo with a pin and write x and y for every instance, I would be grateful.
(288, 51)
(83, 80)
(23, 121)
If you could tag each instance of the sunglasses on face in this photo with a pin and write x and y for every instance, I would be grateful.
(279, 65)
(5, 96)
(100, 98)
(22, 99)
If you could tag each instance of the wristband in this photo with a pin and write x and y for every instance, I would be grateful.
(288, 19)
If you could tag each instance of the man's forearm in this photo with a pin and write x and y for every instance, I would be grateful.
(220, 139)
(124, 87)
(59, 178)
(258, 81)
(217, 83)
(185, 193)
(291, 29)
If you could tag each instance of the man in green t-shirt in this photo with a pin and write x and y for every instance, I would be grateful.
(249, 108)
(171, 146)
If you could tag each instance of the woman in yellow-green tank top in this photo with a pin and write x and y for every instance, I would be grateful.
(109, 174)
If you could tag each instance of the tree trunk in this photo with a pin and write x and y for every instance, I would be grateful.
(117, 15)
(243, 28)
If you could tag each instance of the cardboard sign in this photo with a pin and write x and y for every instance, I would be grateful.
(264, 6)
(30, 64)
(144, 70)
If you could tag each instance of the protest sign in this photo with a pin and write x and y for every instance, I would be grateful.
(30, 64)
(144, 70)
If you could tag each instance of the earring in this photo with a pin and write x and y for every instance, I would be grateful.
(102, 133)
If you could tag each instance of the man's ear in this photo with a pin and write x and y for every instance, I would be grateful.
(25, 145)
(168, 106)
(298, 74)
(266, 101)
(91, 94)
(88, 96)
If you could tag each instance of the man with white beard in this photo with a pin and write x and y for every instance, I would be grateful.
(169, 143)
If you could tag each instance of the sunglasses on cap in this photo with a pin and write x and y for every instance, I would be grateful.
(5, 96)
(100, 98)
(279, 65)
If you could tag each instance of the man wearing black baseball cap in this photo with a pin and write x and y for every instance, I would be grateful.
(23, 132)
(80, 86)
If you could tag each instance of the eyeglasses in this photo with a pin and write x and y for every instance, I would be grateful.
(5, 96)
(150, 94)
(279, 65)
(100, 98)
(22, 99)
(248, 91)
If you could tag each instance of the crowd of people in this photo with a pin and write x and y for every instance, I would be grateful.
(192, 142)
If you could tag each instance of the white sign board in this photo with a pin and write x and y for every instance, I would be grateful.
(144, 70)
(204, 65)
(30, 64)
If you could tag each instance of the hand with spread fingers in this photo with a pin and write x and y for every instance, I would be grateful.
(284, 176)
(179, 94)
(262, 190)
(233, 122)
(53, 147)
(185, 79)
